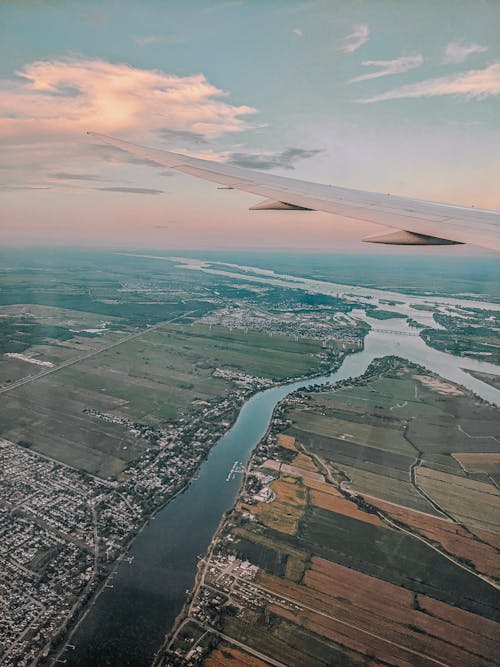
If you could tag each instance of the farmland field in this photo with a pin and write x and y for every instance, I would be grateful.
(227, 656)
(377, 437)
(288, 507)
(476, 504)
(392, 558)
(479, 462)
(152, 378)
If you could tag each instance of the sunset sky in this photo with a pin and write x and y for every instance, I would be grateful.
(390, 96)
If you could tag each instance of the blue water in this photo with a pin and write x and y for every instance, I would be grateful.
(127, 623)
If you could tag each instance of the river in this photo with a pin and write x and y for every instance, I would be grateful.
(127, 622)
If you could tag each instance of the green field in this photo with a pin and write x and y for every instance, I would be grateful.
(373, 433)
(149, 379)
(379, 437)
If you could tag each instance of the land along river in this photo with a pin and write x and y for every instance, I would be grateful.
(127, 623)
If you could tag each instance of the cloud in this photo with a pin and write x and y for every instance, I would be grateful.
(387, 67)
(135, 191)
(476, 84)
(61, 97)
(284, 159)
(182, 136)
(116, 156)
(15, 188)
(359, 36)
(68, 176)
(298, 32)
(456, 52)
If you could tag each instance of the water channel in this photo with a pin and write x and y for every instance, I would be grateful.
(127, 623)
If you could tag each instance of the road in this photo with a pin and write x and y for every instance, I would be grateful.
(71, 362)
(455, 561)
(298, 603)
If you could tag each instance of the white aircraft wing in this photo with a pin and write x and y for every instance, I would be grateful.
(416, 222)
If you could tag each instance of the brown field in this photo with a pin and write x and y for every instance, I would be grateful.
(322, 486)
(286, 469)
(439, 386)
(295, 568)
(476, 504)
(452, 537)
(349, 607)
(227, 655)
(284, 512)
(286, 441)
(489, 537)
(300, 472)
(342, 506)
(479, 462)
(304, 462)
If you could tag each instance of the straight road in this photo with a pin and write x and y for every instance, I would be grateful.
(71, 362)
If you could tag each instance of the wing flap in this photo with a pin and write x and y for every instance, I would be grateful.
(403, 237)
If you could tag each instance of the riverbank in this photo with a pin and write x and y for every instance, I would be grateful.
(111, 581)
(185, 527)
(253, 531)
(183, 618)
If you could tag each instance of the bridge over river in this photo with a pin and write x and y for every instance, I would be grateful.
(399, 333)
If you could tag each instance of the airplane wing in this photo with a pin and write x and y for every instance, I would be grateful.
(416, 222)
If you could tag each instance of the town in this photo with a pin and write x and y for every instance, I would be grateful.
(62, 530)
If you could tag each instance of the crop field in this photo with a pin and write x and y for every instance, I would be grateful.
(383, 438)
(269, 558)
(384, 392)
(393, 557)
(340, 505)
(286, 441)
(479, 462)
(294, 559)
(258, 354)
(370, 616)
(149, 379)
(453, 538)
(342, 451)
(284, 512)
(324, 487)
(388, 487)
(228, 656)
(371, 471)
(476, 504)
(288, 642)
(304, 462)
(371, 592)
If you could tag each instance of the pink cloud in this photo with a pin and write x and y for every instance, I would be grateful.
(57, 98)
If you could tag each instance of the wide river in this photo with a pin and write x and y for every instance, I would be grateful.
(127, 623)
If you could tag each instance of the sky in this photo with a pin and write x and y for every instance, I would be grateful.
(383, 95)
